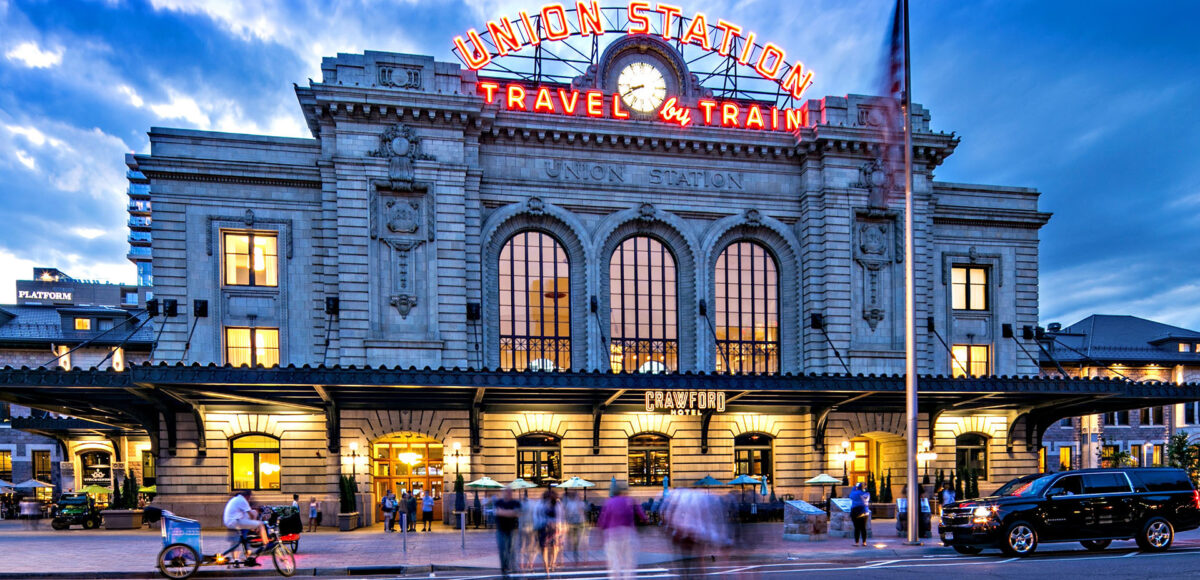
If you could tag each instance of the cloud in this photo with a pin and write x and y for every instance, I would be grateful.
(26, 159)
(134, 98)
(182, 107)
(29, 54)
(88, 233)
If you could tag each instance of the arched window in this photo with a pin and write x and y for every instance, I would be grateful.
(535, 304)
(255, 462)
(752, 454)
(971, 453)
(649, 459)
(539, 458)
(747, 310)
(644, 315)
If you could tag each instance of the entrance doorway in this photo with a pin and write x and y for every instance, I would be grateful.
(864, 462)
(407, 462)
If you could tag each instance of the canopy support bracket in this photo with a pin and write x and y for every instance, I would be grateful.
(705, 421)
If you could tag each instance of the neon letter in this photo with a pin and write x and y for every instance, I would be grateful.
(706, 107)
(529, 33)
(770, 50)
(675, 114)
(477, 56)
(754, 118)
(745, 58)
(503, 36)
(774, 119)
(728, 32)
(543, 101)
(560, 14)
(589, 20)
(568, 106)
(795, 119)
(617, 111)
(595, 104)
(698, 30)
(489, 91)
(796, 80)
(668, 12)
(516, 97)
(639, 23)
(729, 115)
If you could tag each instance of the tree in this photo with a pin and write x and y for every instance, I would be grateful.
(958, 484)
(885, 493)
(871, 489)
(1184, 456)
(347, 491)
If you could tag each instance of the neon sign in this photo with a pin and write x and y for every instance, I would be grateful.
(552, 23)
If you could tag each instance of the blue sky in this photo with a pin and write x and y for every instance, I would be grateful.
(1094, 103)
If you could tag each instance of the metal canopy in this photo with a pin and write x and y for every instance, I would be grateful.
(133, 399)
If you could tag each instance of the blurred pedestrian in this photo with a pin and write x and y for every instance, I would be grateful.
(314, 514)
(548, 526)
(427, 511)
(858, 512)
(389, 506)
(410, 508)
(574, 516)
(617, 523)
(696, 523)
(508, 512)
(31, 512)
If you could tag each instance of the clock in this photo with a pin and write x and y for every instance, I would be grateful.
(642, 86)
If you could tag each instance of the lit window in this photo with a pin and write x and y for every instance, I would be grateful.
(970, 360)
(255, 462)
(752, 454)
(64, 357)
(83, 324)
(968, 288)
(1064, 458)
(251, 259)
(971, 453)
(539, 458)
(1198, 347)
(643, 316)
(118, 359)
(649, 459)
(747, 310)
(1185, 347)
(253, 347)
(535, 304)
(1156, 459)
(6, 465)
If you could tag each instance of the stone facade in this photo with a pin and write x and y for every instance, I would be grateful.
(399, 206)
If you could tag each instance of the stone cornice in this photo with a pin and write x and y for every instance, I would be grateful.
(930, 149)
(216, 171)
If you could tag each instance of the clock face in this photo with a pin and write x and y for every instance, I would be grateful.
(642, 86)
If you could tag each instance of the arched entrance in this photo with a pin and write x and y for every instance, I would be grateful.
(407, 462)
(878, 453)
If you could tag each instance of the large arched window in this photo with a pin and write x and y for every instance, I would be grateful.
(644, 316)
(255, 462)
(539, 458)
(752, 454)
(747, 310)
(970, 451)
(535, 304)
(649, 459)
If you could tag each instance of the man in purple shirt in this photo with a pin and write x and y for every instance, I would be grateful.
(616, 523)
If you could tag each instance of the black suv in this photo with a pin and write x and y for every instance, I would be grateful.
(1090, 506)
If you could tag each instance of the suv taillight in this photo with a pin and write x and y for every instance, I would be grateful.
(1196, 497)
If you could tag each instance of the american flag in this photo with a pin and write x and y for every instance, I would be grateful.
(889, 185)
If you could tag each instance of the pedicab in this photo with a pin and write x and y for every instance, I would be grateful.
(183, 553)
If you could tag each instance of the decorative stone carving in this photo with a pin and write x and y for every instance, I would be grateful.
(535, 206)
(646, 211)
(249, 218)
(874, 246)
(404, 216)
(404, 304)
(753, 218)
(400, 145)
(878, 181)
(400, 77)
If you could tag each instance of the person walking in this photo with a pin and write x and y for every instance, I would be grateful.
(296, 502)
(617, 520)
(858, 512)
(549, 520)
(573, 514)
(389, 505)
(508, 513)
(314, 514)
(410, 507)
(427, 511)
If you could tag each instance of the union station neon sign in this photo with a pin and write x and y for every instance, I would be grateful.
(554, 22)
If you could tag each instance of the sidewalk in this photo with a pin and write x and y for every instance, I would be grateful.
(122, 554)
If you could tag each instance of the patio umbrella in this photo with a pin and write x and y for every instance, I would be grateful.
(5, 483)
(5, 490)
(742, 481)
(577, 482)
(484, 482)
(763, 491)
(151, 489)
(95, 489)
(31, 484)
(612, 487)
(520, 483)
(708, 481)
(823, 480)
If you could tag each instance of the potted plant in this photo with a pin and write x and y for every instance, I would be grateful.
(348, 514)
(882, 506)
(123, 512)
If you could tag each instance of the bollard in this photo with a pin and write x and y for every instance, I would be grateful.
(404, 528)
(462, 528)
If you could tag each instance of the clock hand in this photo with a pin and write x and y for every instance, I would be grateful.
(631, 89)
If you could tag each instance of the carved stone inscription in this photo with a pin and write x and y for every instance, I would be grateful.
(611, 173)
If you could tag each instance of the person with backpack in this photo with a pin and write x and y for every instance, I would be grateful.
(388, 505)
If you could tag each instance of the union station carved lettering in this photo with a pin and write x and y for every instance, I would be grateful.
(590, 172)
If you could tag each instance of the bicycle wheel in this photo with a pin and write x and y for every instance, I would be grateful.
(285, 562)
(178, 561)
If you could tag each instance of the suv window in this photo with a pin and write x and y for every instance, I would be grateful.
(1105, 483)
(1162, 480)
(1069, 485)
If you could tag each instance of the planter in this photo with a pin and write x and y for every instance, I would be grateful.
(347, 522)
(883, 511)
(122, 519)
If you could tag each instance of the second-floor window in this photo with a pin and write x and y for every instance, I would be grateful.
(970, 360)
(535, 304)
(83, 324)
(746, 304)
(251, 346)
(644, 316)
(968, 288)
(1191, 412)
(251, 259)
(1152, 416)
(1117, 419)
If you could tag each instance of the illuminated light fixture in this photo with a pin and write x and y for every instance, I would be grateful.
(260, 257)
(409, 458)
(268, 468)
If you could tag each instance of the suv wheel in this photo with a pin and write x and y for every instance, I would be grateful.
(1020, 539)
(1096, 545)
(1157, 535)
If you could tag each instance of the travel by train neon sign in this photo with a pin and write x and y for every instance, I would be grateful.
(722, 39)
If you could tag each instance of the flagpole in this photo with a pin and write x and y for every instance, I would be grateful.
(910, 329)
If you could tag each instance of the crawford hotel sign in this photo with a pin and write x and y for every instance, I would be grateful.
(647, 82)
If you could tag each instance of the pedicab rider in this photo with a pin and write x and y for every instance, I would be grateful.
(240, 516)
